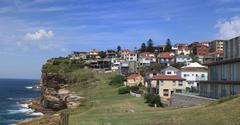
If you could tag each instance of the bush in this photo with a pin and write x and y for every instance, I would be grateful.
(134, 88)
(124, 90)
(117, 80)
(153, 99)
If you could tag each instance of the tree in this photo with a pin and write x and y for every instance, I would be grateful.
(168, 47)
(150, 46)
(143, 48)
(119, 48)
(102, 54)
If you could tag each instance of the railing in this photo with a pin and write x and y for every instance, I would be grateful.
(199, 78)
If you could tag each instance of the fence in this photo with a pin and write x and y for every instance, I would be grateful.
(64, 119)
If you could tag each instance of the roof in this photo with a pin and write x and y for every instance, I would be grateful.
(146, 53)
(171, 68)
(194, 69)
(133, 76)
(194, 64)
(167, 77)
(165, 55)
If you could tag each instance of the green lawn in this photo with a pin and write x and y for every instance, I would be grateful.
(105, 107)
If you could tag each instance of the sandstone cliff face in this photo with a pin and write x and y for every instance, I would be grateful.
(54, 92)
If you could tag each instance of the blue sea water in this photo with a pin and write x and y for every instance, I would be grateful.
(13, 91)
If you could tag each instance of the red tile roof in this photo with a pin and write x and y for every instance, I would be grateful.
(167, 77)
(165, 55)
(133, 76)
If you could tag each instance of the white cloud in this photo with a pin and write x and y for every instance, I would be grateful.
(229, 29)
(39, 35)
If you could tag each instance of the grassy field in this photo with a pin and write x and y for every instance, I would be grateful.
(104, 106)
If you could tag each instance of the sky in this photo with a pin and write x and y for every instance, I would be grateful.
(32, 31)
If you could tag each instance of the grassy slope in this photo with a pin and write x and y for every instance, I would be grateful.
(106, 107)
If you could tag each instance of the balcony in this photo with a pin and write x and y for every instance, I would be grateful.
(201, 78)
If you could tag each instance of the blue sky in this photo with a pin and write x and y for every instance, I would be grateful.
(31, 31)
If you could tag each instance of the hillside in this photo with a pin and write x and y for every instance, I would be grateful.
(103, 106)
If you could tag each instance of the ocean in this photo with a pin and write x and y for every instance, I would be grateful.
(13, 91)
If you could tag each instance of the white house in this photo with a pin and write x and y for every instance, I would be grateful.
(131, 56)
(185, 59)
(193, 73)
(170, 71)
(115, 63)
(146, 58)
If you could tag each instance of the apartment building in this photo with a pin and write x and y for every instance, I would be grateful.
(216, 46)
(224, 76)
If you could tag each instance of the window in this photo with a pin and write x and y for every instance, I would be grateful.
(203, 75)
(174, 83)
(169, 72)
(180, 83)
(178, 91)
(165, 92)
(161, 82)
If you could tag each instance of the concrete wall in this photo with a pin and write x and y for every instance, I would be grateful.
(184, 100)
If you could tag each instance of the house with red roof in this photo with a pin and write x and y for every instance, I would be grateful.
(166, 85)
(166, 58)
(146, 58)
(134, 80)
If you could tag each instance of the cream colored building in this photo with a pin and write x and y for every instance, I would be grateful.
(134, 80)
(166, 85)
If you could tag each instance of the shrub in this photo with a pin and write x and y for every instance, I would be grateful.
(124, 90)
(134, 88)
(153, 99)
(117, 80)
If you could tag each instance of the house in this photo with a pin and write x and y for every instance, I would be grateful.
(111, 54)
(123, 53)
(131, 56)
(128, 67)
(166, 85)
(115, 63)
(183, 49)
(146, 58)
(169, 71)
(134, 80)
(224, 76)
(100, 64)
(94, 54)
(166, 58)
(193, 73)
(78, 56)
(184, 59)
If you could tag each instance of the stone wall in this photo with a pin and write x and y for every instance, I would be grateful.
(184, 100)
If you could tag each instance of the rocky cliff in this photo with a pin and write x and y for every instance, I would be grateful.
(55, 94)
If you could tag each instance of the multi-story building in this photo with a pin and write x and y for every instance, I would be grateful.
(224, 76)
(199, 49)
(166, 58)
(216, 46)
(146, 58)
(193, 73)
(183, 49)
(132, 56)
(165, 85)
(123, 53)
(111, 54)
(115, 63)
